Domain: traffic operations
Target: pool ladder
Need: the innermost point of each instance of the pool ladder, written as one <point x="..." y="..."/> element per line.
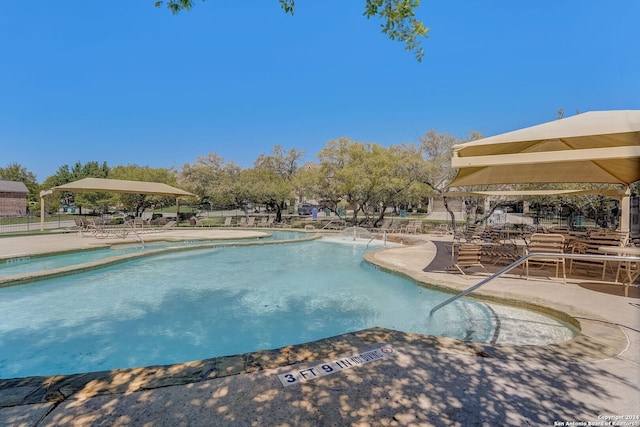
<point x="524" y="258"/>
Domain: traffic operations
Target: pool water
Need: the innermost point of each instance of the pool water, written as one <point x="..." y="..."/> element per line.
<point x="204" y="303"/>
<point x="22" y="265"/>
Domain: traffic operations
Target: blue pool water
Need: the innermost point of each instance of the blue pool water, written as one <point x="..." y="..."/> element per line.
<point x="204" y="303"/>
<point x="23" y="265"/>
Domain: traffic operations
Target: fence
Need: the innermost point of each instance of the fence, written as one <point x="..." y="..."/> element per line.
<point x="23" y="223"/>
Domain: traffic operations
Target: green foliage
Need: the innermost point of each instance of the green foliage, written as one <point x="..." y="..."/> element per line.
<point x="176" y="6"/>
<point x="399" y="22"/>
<point x="213" y="180"/>
<point x="138" y="203"/>
<point x="288" y="5"/>
<point x="211" y="222"/>
<point x="18" y="173"/>
<point x="368" y="177"/>
<point x="65" y="174"/>
<point x="436" y="148"/>
<point x="398" y="17"/>
<point x="272" y="180"/>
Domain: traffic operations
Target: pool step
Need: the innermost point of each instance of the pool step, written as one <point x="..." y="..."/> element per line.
<point x="480" y="322"/>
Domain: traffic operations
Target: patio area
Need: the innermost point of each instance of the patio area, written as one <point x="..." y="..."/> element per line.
<point x="499" y="246"/>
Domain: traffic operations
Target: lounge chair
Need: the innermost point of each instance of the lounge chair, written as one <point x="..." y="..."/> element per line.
<point x="269" y="223"/>
<point x="138" y="222"/>
<point x="169" y="224"/>
<point x="414" y="227"/>
<point x="442" y="230"/>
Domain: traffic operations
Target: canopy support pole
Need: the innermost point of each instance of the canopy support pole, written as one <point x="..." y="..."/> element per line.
<point x="625" y="206"/>
<point x="177" y="211"/>
<point x="43" y="193"/>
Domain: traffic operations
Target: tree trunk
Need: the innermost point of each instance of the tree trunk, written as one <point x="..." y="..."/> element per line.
<point x="380" y="218"/>
<point x="279" y="208"/>
<point x="451" y="214"/>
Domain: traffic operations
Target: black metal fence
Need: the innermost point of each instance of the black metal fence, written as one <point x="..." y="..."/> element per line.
<point x="25" y="223"/>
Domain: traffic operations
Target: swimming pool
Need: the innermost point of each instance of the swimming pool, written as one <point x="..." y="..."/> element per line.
<point x="203" y="303"/>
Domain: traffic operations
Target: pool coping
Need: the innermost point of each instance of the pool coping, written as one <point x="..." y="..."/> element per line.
<point x="598" y="340"/>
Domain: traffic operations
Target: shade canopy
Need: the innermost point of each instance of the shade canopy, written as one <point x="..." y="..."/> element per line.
<point x="594" y="147"/>
<point x="510" y="193"/>
<point x="102" y="185"/>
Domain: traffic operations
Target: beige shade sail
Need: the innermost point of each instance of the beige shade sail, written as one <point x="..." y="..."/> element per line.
<point x="595" y="147"/>
<point x="509" y="193"/>
<point x="102" y="185"/>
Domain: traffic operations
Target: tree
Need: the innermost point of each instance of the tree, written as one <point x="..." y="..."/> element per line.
<point x="398" y="16"/>
<point x="213" y="180"/>
<point x="64" y="175"/>
<point x="138" y="203"/>
<point x="368" y="177"/>
<point x="271" y="181"/>
<point x="437" y="149"/>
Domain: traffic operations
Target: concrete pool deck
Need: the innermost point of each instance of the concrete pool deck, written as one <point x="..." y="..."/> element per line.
<point x="430" y="381"/>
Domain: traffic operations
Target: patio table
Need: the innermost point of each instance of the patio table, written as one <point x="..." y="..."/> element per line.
<point x="632" y="267"/>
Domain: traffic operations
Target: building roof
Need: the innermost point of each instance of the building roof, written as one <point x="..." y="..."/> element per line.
<point x="310" y="165"/>
<point x="13" y="187"/>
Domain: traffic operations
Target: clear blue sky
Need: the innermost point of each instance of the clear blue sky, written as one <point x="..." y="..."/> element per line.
<point x="127" y="83"/>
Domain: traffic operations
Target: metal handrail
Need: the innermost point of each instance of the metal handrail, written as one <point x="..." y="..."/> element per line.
<point x="384" y="239"/>
<point x="341" y="222"/>
<point x="525" y="258"/>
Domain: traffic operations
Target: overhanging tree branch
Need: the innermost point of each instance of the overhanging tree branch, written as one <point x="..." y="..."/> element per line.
<point x="399" y="20"/>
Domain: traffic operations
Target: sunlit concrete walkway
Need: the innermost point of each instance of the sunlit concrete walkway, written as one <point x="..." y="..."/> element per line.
<point x="429" y="381"/>
<point x="56" y="242"/>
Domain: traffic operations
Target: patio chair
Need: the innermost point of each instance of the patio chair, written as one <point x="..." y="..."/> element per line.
<point x="414" y="227"/>
<point x="227" y="222"/>
<point x="390" y="226"/>
<point x="591" y="245"/>
<point x="442" y="230"/>
<point x="473" y="233"/>
<point x="496" y="248"/>
<point x="467" y="255"/>
<point x="547" y="243"/>
<point x="270" y="220"/>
